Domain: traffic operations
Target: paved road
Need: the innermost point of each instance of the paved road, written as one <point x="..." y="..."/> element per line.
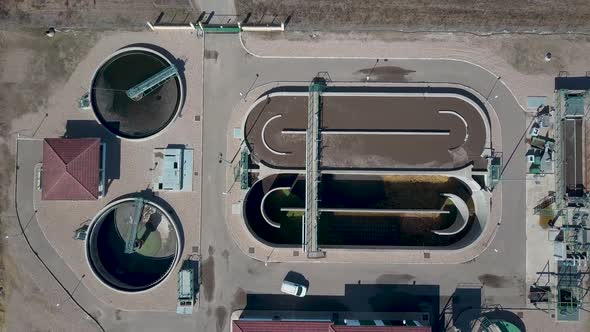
<point x="229" y="275"/>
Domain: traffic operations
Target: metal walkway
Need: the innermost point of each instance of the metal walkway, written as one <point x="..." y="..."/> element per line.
<point x="149" y="85"/>
<point x="312" y="174"/>
<point x="132" y="233"/>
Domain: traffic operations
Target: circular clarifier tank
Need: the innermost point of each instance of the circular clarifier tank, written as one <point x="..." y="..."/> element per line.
<point x="155" y="245"/>
<point x="138" y="118"/>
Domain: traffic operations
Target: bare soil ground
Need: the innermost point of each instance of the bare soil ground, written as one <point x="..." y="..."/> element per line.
<point x="94" y="14"/>
<point x="31" y="65"/>
<point x="424" y="15"/>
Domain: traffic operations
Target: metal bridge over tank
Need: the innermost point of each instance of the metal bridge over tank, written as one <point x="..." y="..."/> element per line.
<point x="152" y="83"/>
<point x="131" y="239"/>
<point x="312" y="174"/>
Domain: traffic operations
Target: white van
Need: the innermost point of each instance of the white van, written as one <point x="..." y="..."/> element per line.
<point x="294" y="289"/>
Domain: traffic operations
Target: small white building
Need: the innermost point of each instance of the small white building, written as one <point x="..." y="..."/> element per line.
<point x="173" y="169"/>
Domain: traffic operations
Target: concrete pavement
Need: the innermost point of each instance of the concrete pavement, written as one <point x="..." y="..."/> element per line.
<point x="110" y="317"/>
<point x="228" y="275"/>
<point x="232" y="71"/>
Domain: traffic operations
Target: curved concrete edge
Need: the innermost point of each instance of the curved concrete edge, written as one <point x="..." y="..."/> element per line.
<point x="264" y="215"/>
<point x="98" y="219"/>
<point x="485" y="117"/>
<point x="94" y="286"/>
<point x="260" y="91"/>
<point x="180" y="89"/>
<point x="462" y="120"/>
<point x="471" y="63"/>
<point x="480" y="111"/>
<point x="245" y="240"/>
<point x="265" y="253"/>
<point x="460" y="221"/>
<point x="263" y="134"/>
<point x="493" y="115"/>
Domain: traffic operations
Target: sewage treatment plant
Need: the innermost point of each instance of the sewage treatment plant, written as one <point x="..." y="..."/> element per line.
<point x="368" y="167"/>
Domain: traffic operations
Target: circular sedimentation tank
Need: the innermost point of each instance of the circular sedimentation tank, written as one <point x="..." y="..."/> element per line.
<point x="156" y="252"/>
<point x="134" y="119"/>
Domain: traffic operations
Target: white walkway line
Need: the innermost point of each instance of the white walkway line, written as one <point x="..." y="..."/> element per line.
<point x="371" y="211"/>
<point x="371" y="132"/>
<point x="464" y="123"/>
<point x="264" y="215"/>
<point x="263" y="132"/>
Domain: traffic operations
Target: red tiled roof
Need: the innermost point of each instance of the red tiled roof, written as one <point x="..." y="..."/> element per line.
<point x="290" y="326"/>
<point x="70" y="168"/>
<point x="342" y="328"/>
<point x="279" y="326"/>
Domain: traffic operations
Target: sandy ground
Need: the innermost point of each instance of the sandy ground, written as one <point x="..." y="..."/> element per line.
<point x="30" y="66"/>
<point x="38" y="76"/>
<point x="34" y="301"/>
<point x="93" y="14"/>
<point x="425" y="15"/>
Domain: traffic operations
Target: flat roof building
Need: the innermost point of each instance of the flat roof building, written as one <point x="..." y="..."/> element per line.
<point x="173" y="169"/>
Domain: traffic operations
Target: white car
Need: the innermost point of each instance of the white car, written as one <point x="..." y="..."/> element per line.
<point x="294" y="289"/>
